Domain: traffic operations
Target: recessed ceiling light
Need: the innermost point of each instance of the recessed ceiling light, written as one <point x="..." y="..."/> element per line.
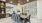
<point x="10" y="1"/>
<point x="27" y="0"/>
<point x="1" y="6"/>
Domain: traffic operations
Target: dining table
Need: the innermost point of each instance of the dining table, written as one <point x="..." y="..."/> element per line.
<point x="24" y="17"/>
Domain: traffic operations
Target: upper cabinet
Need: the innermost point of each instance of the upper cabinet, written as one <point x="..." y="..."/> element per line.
<point x="2" y="7"/>
<point x="2" y="4"/>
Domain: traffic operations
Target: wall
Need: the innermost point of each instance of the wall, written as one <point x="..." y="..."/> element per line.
<point x="31" y="6"/>
<point x="39" y="9"/>
<point x="10" y="8"/>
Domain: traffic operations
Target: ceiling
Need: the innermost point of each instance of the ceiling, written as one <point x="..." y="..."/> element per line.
<point x="15" y="2"/>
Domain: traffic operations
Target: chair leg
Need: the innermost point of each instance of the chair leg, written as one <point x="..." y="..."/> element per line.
<point x="18" y="21"/>
<point x="29" y="20"/>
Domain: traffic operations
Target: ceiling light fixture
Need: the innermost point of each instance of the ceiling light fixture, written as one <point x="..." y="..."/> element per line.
<point x="10" y="1"/>
<point x="1" y="6"/>
<point x="27" y="0"/>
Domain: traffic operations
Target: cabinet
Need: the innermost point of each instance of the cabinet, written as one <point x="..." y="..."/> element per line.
<point x="2" y="9"/>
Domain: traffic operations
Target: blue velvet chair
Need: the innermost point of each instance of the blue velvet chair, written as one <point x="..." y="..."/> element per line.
<point x="14" y="17"/>
<point x="29" y="19"/>
<point x="18" y="18"/>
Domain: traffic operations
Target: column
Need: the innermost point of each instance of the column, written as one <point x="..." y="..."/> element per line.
<point x="39" y="9"/>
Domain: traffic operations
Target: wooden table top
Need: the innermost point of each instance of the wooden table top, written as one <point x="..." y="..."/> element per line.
<point x="24" y="16"/>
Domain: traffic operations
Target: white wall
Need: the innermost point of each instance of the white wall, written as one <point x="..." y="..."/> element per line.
<point x="39" y="9"/>
<point x="31" y="6"/>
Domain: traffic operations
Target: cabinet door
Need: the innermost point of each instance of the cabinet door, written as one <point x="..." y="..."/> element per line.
<point x="2" y="6"/>
<point x="3" y="9"/>
<point x="0" y="10"/>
